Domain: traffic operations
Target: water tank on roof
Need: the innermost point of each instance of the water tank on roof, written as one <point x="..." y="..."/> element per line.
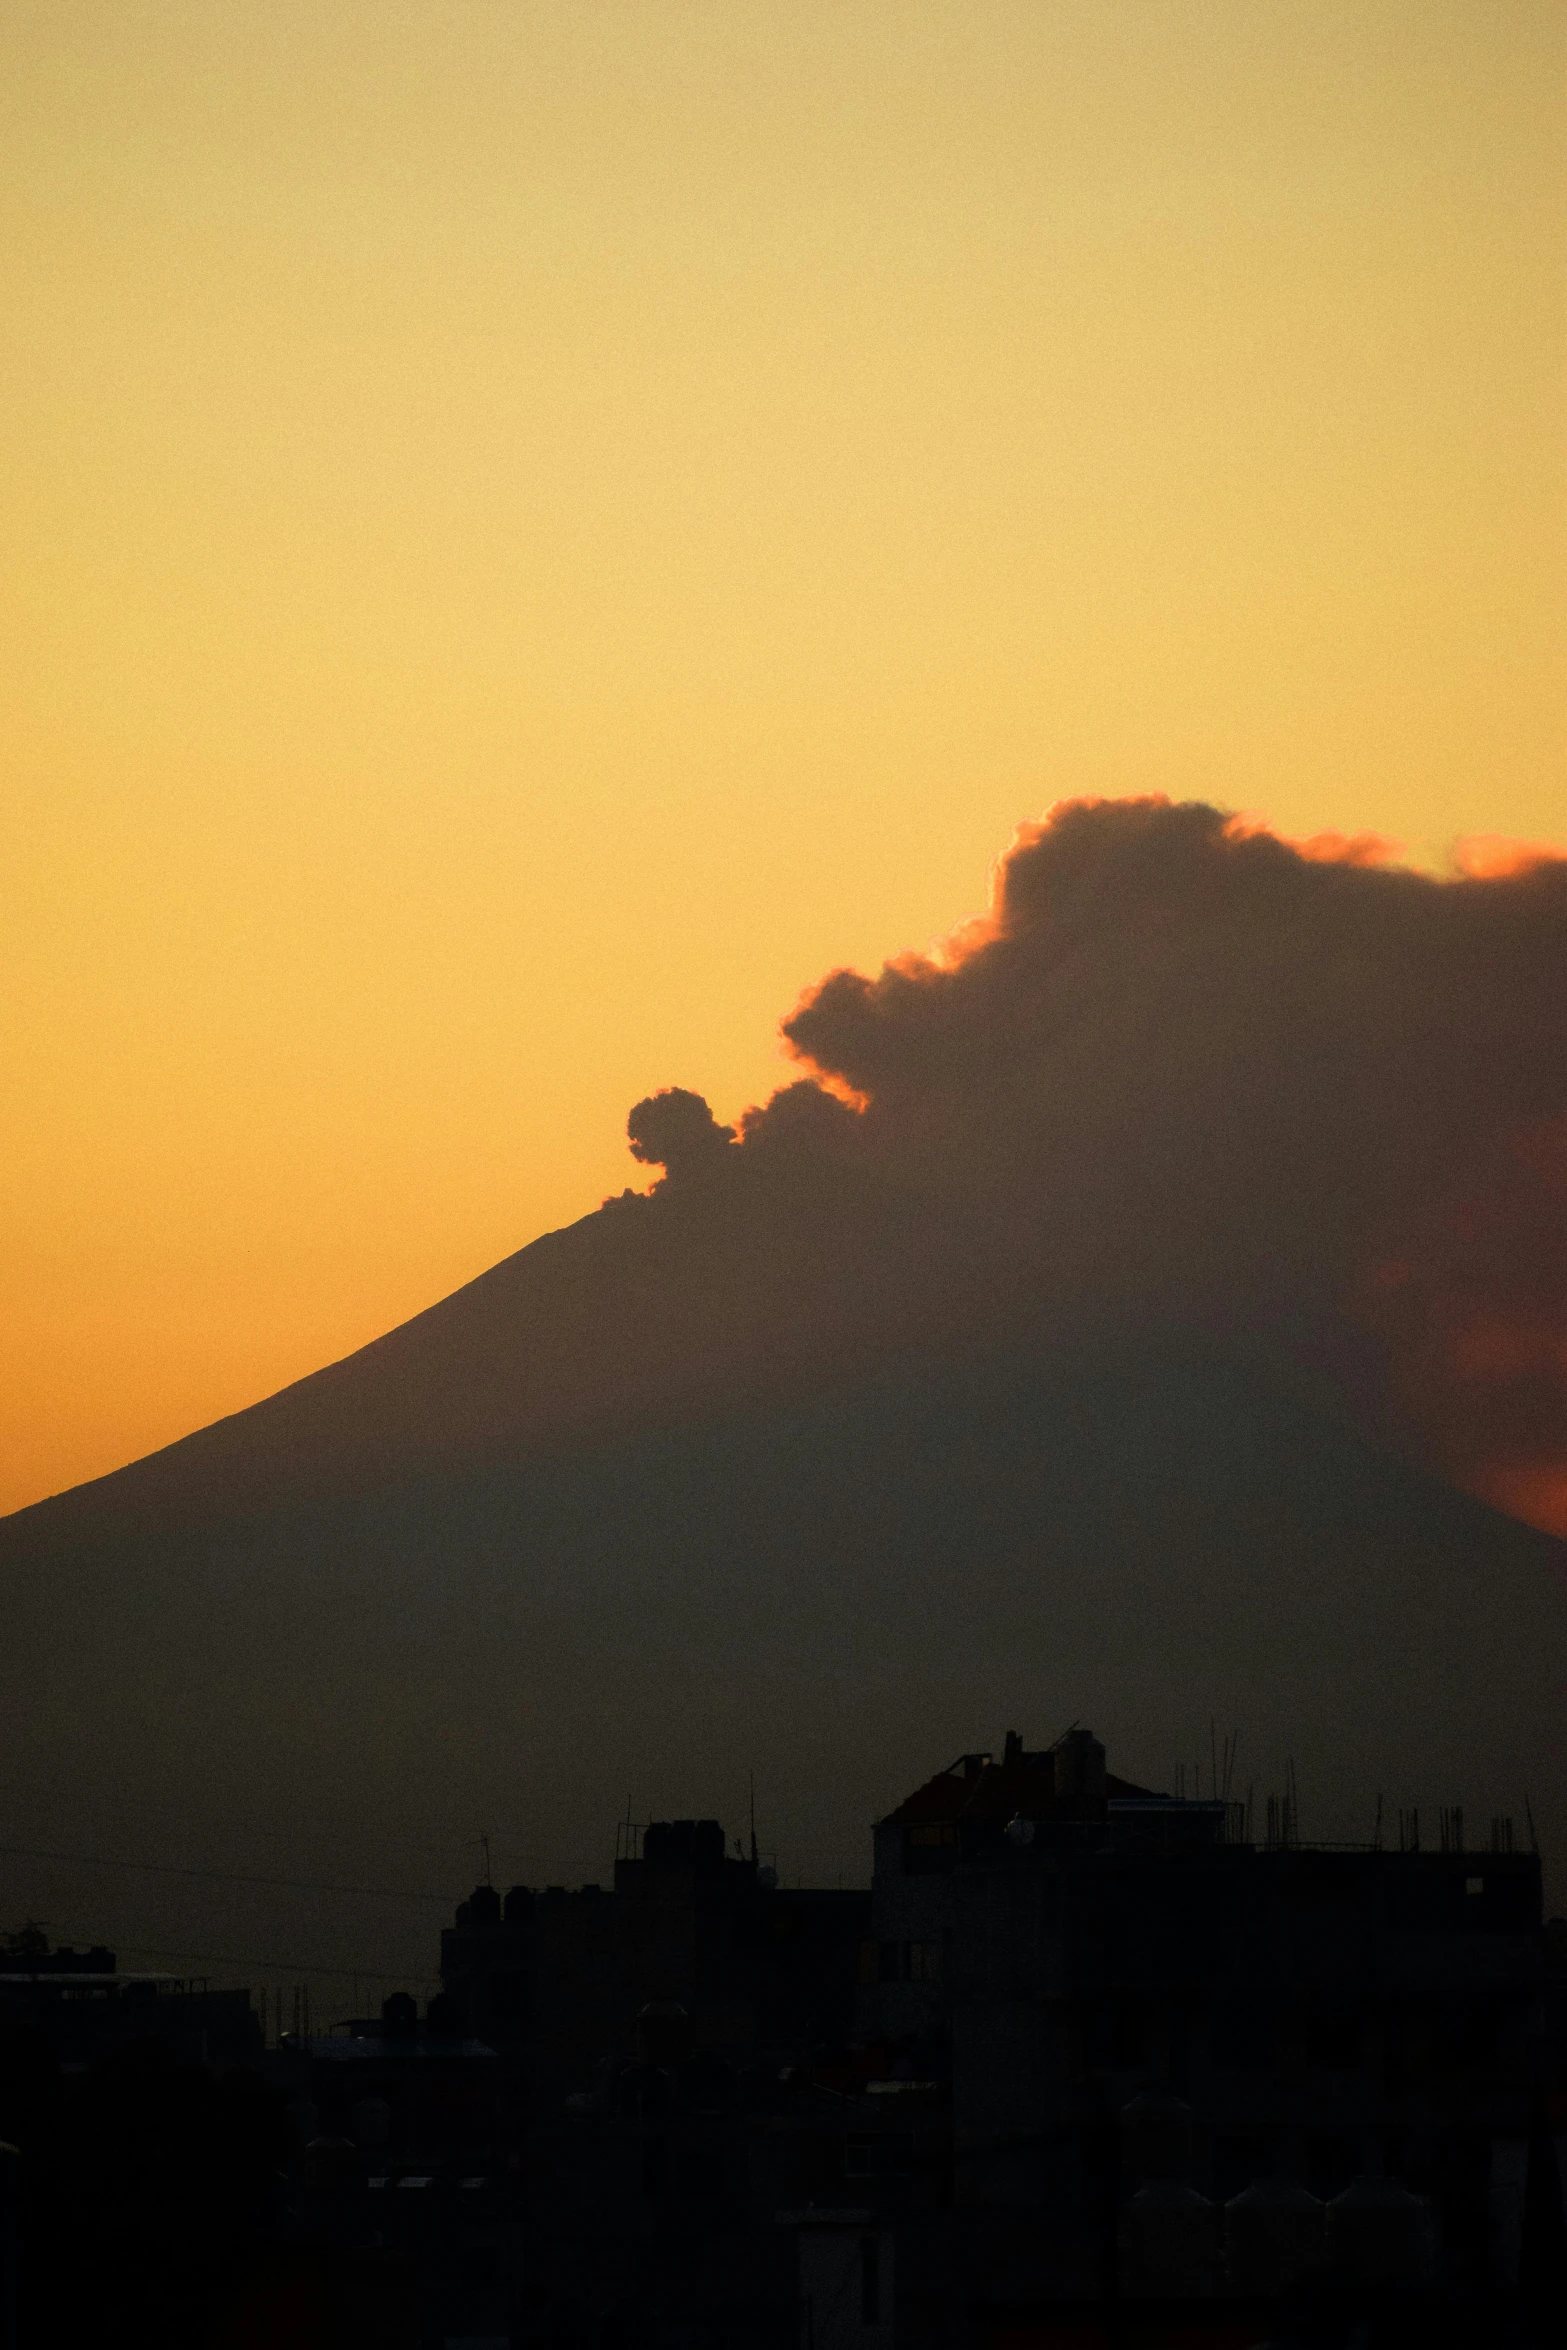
<point x="683" y="1844"/>
<point x="1273" y="2235"/>
<point x="1170" y="2242"/>
<point x="517" y="1908"/>
<point x="1380" y="2234"/>
<point x="707" y="1845"/>
<point x="484" y="1906"/>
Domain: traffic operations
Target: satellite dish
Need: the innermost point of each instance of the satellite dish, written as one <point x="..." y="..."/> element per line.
<point x="1018" y="1830"/>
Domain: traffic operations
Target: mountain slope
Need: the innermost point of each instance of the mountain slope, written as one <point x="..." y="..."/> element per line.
<point x="835" y="1593"/>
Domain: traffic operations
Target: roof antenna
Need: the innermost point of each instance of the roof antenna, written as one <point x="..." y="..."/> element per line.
<point x="753" y="1819"/>
<point x="485" y="1841"/>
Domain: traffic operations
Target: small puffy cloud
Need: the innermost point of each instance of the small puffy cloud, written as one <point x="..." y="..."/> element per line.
<point x="677" y="1131"/>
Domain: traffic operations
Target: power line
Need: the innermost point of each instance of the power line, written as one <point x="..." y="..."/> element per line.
<point x="31" y="1797"/>
<point x="281" y="1966"/>
<point x="155" y="1868"/>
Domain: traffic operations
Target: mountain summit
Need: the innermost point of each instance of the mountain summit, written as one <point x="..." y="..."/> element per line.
<point x="1099" y="1326"/>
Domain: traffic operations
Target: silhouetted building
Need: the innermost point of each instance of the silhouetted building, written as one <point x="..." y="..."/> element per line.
<point x="1185" y="2066"/>
<point x="409" y="2168"/>
<point x="660" y="2035"/>
<point x="151" y="2172"/>
<point x="559" y="1978"/>
<point x="1088" y="2064"/>
<point x="1083" y="2049"/>
<point x="598" y="2119"/>
<point x="81" y="2008"/>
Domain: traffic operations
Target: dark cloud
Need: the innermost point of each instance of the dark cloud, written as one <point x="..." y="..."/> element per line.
<point x="1188" y="1073"/>
<point x="1473" y="1310"/>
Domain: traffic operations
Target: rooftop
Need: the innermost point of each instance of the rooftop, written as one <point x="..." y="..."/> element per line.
<point x="1066" y="1781"/>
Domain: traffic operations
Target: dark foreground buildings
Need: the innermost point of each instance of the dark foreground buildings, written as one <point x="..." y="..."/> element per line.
<point x="1087" y="2066"/>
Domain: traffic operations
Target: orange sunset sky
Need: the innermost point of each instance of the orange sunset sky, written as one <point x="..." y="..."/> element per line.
<point x="534" y="531"/>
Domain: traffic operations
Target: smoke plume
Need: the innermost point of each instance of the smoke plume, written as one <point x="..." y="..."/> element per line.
<point x="1185" y="1074"/>
<point x="1184" y="1081"/>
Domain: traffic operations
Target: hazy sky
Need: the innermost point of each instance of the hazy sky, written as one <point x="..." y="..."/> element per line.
<point x="531" y="533"/>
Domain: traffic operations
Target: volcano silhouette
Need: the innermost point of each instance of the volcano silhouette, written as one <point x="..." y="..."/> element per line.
<point x="537" y="1551"/>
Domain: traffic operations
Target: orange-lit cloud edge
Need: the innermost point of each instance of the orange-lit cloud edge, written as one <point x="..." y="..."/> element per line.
<point x="1458" y="1353"/>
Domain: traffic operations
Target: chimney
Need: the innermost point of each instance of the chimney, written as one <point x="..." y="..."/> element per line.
<point x="1013" y="1750"/>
